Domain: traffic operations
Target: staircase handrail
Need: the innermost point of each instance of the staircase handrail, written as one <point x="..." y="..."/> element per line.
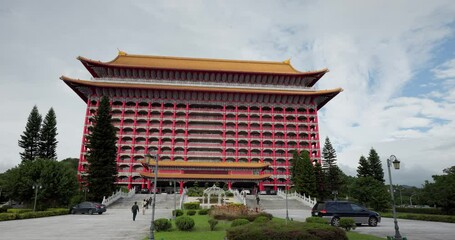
<point x="240" y="198"/>
<point x="117" y="195"/>
<point x="301" y="198"/>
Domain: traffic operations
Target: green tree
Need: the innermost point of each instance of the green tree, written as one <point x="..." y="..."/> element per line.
<point x="320" y="181"/>
<point x="57" y="180"/>
<point x="329" y="154"/>
<point x="303" y="174"/>
<point x="30" y="138"/>
<point x="375" y="166"/>
<point x="102" y="152"/>
<point x="371" y="192"/>
<point x="363" y="170"/>
<point x="72" y="163"/>
<point x="48" y="134"/>
<point x="442" y="191"/>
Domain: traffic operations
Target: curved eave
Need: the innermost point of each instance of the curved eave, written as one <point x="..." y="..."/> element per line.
<point x="199" y="64"/>
<point x="328" y="93"/>
<point x="228" y="165"/>
<point x="179" y="176"/>
<point x="74" y="86"/>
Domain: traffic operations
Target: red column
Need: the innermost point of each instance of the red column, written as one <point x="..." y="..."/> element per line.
<point x="224" y="133"/>
<point x="236" y="133"/>
<point x="181" y="186"/>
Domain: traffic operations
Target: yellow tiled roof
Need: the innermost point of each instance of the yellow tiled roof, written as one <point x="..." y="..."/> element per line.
<point x="207" y="164"/>
<point x="202" y="64"/>
<point x="206" y="176"/>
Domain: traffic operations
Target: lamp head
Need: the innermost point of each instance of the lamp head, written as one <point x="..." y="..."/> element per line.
<point x="395" y="162"/>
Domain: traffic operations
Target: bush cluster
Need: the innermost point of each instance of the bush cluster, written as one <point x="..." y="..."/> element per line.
<point x="316" y="220"/>
<point x="261" y="219"/>
<point x="162" y="224"/>
<point x="436" y="211"/>
<point x="16" y="214"/>
<point x="235" y="211"/>
<point x="203" y="211"/>
<point x="240" y="221"/>
<point x="347" y="224"/>
<point x="18" y="210"/>
<point x="191" y="212"/>
<point x="213" y="223"/>
<point x="192" y="205"/>
<point x="184" y="223"/>
<point x="293" y="230"/>
<point x="423" y="217"/>
<point x="177" y="213"/>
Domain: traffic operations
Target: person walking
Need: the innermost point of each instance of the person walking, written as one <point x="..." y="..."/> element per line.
<point x="257" y="199"/>
<point x="144" y="205"/>
<point x="134" y="210"/>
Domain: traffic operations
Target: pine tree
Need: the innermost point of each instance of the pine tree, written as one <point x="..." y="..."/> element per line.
<point x="363" y="170"/>
<point x="320" y="181"/>
<point x="48" y="133"/>
<point x="328" y="153"/>
<point x="102" y="169"/>
<point x="307" y="177"/>
<point x="375" y="166"/>
<point x="30" y="138"/>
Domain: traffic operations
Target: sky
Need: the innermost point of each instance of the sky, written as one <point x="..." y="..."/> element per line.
<point x="395" y="61"/>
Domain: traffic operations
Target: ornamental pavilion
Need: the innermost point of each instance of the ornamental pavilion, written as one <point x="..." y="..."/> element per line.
<point x="210" y="120"/>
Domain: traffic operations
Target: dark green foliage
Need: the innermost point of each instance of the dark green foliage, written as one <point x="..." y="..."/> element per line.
<point x="261" y="219"/>
<point x="328" y="153"/>
<point x="191" y="212"/>
<point x="319" y="176"/>
<point x="192" y="205"/>
<point x="347" y="224"/>
<point x="203" y="211"/>
<point x="266" y="215"/>
<point x="316" y="220"/>
<point x="31" y="136"/>
<point x="48" y="133"/>
<point x="283" y="231"/>
<point x="102" y="152"/>
<point x="184" y="223"/>
<point x="213" y="223"/>
<point x="435" y="211"/>
<point x="303" y="174"/>
<point x="363" y="170"/>
<point x="19" y="210"/>
<point x="29" y="214"/>
<point x="371" y="192"/>
<point x="195" y="191"/>
<point x="375" y="165"/>
<point x="177" y="212"/>
<point x="240" y="221"/>
<point x="162" y="224"/>
<point x="4" y="208"/>
<point x="72" y="163"/>
<point x="58" y="183"/>
<point x="334" y="179"/>
<point x="422" y="217"/>
<point x="442" y="191"/>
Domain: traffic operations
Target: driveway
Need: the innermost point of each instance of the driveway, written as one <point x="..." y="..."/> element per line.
<point x="113" y="224"/>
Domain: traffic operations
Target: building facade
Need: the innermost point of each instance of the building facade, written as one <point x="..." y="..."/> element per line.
<point x="205" y="111"/>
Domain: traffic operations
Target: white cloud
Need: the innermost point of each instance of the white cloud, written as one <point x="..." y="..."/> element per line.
<point x="372" y="48"/>
<point x="445" y="70"/>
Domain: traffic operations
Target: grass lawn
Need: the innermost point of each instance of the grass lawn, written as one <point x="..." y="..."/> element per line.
<point x="201" y="231"/>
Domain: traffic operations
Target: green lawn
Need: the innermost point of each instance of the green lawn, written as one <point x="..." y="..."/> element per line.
<point x="201" y="231"/>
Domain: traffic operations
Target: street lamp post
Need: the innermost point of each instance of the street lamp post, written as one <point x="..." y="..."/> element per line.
<point x="152" y="225"/>
<point x="396" y="164"/>
<point x="36" y="186"/>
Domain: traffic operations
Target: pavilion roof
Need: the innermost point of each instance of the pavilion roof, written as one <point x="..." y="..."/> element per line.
<point x="199" y="64"/>
<point x="183" y="164"/>
<point x="74" y="83"/>
<point x="184" y="176"/>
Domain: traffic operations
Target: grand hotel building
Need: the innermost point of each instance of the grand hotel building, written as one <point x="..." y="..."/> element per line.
<point x="209" y="120"/>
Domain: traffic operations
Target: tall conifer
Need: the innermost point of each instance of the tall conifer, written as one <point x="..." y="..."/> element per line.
<point x="375" y="165"/>
<point x="363" y="170"/>
<point x="102" y="169"/>
<point x="48" y="134"/>
<point x="329" y="154"/>
<point x="30" y="138"/>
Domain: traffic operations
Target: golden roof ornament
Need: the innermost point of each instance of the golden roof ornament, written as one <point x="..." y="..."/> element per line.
<point x="287" y="61"/>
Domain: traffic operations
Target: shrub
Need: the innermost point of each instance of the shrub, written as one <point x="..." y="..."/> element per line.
<point x="7" y="216"/>
<point x="235" y="211"/>
<point x="184" y="223"/>
<point x="203" y="211"/>
<point x="435" y="211"/>
<point x="291" y="230"/>
<point x="162" y="224"/>
<point x="240" y="221"/>
<point x="177" y="212"/>
<point x="316" y="220"/>
<point x="191" y="212"/>
<point x="261" y="219"/>
<point x="192" y="205"/>
<point x="29" y="214"/>
<point x="4" y="208"/>
<point x="347" y="224"/>
<point x="212" y="223"/>
<point x="18" y="210"/>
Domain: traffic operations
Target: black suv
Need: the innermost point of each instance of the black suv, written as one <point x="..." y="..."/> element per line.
<point x="333" y="211"/>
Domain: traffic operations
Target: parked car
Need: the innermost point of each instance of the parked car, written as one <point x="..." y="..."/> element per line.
<point x="88" y="207"/>
<point x="333" y="211"/>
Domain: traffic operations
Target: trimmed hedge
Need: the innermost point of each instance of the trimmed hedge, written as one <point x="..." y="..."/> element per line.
<point x="423" y="217"/>
<point x="162" y="224"/>
<point x="213" y="223"/>
<point x="203" y="211"/>
<point x="191" y="212"/>
<point x="184" y="223"/>
<point x="192" y="205"/>
<point x="19" y="210"/>
<point x="316" y="220"/>
<point x="261" y="219"/>
<point x="177" y="213"/>
<point x="435" y="211"/>
<point x="25" y="215"/>
<point x="347" y="224"/>
<point x="292" y="231"/>
<point x="240" y="221"/>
